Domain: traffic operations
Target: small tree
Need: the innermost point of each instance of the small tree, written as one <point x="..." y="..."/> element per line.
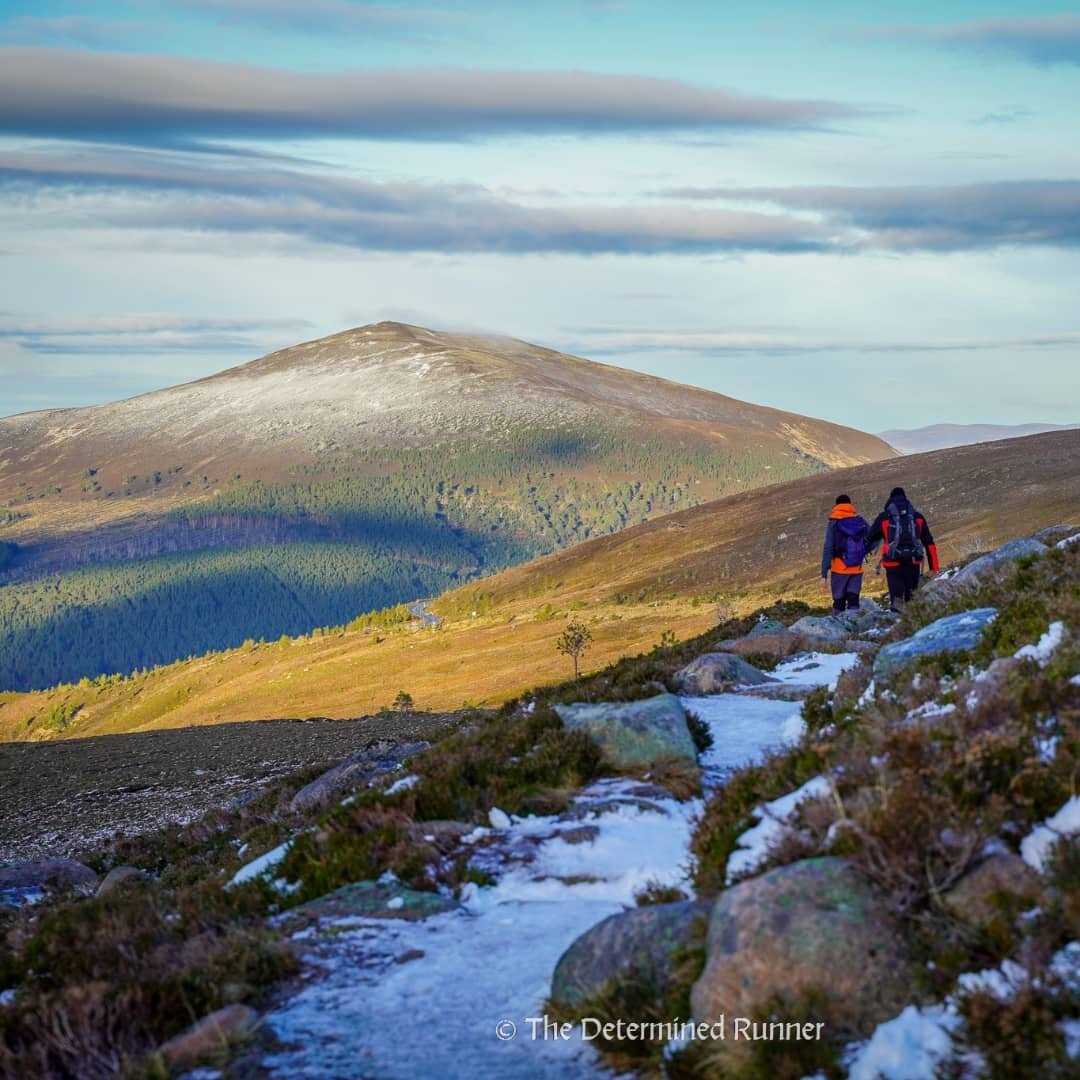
<point x="403" y="703"/>
<point x="573" y="642"/>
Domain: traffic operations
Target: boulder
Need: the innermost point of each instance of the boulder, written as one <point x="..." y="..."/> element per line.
<point x="998" y="562"/>
<point x="778" y="643"/>
<point x="714" y="672"/>
<point x="977" y="897"/>
<point x="209" y="1039"/>
<point x="120" y="877"/>
<point x="810" y="927"/>
<point x="642" y="943"/>
<point x="1055" y="534"/>
<point x="634" y="733"/>
<point x="375" y="900"/>
<point x="354" y="770"/>
<point x="827" y="627"/>
<point x="954" y="633"/>
<point x="34" y="873"/>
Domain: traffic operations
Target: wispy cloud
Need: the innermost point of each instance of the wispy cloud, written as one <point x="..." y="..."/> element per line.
<point x="86" y="94"/>
<point x="604" y="340"/>
<point x="83" y="30"/>
<point x="1004" y="114"/>
<point x="329" y="16"/>
<point x="145" y="334"/>
<point x="1042" y="39"/>
<point x="172" y="192"/>
<point x="929" y="218"/>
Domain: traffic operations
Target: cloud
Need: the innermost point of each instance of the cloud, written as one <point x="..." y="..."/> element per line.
<point x="1004" y="114"/>
<point x="143" y="334"/>
<point x="1043" y="40"/>
<point x="84" y="30"/>
<point x="327" y="16"/>
<point x="929" y="218"/>
<point x="171" y="191"/>
<point x="72" y="93"/>
<point x="603" y="340"/>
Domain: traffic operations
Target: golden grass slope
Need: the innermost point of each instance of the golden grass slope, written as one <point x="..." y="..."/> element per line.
<point x="497" y="635"/>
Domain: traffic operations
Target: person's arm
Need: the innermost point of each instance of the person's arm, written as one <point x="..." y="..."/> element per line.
<point x="931" y="547"/>
<point x="875" y="536"/>
<point x="827" y="551"/>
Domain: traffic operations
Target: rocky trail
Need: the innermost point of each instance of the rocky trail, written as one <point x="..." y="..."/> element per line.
<point x="452" y="994"/>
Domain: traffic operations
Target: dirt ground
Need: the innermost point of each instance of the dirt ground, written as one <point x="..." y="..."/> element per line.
<point x="63" y="797"/>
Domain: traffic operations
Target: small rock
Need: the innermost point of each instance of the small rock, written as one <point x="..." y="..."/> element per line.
<point x="715" y="672"/>
<point x="1002" y="874"/>
<point x="209" y="1039"/>
<point x="634" y="732"/>
<point x="118" y="878"/>
<point x="581" y="834"/>
<point x="637" y="944"/>
<point x="806" y="927"/>
<point x="954" y="633"/>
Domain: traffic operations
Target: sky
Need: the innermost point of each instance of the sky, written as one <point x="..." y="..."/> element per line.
<point x="867" y="213"/>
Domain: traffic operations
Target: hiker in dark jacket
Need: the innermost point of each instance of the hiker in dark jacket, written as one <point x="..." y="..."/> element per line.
<point x="905" y="540"/>
<point x="844" y="553"/>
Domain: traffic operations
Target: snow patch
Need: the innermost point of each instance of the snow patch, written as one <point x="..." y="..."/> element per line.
<point x="752" y="847"/>
<point x="404" y="784"/>
<point x="1047" y="646"/>
<point x="815" y="669"/>
<point x="261" y="866"/>
<point x="1035" y="847"/>
<point x="499" y="819"/>
<point x="910" y="1047"/>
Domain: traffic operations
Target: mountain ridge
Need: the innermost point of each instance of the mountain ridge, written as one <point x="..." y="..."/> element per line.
<point x="947" y="436"/>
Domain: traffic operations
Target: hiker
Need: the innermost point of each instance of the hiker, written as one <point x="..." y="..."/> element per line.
<point x="844" y="554"/>
<point x="906" y="541"/>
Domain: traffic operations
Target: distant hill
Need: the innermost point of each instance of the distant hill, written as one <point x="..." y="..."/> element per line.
<point x="342" y="475"/>
<point x="943" y="436"/>
<point x="497" y="635"/>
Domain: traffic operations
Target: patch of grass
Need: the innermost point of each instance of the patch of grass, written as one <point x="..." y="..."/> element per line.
<point x="700" y="731"/>
<point x="656" y="892"/>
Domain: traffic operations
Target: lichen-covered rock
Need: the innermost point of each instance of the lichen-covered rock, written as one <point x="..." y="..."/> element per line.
<point x="209" y="1039"/>
<point x="954" y="633"/>
<point x="354" y="770"/>
<point x="120" y="877"/>
<point x="778" y="643"/>
<point x="634" y="733"/>
<point x="642" y="943"/>
<point x="714" y="672"/>
<point x="816" y="926"/>
<point x="375" y="900"/>
<point x="999" y="561"/>
<point x="984" y="893"/>
<point x="827" y="627"/>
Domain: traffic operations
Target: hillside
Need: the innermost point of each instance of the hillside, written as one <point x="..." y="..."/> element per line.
<point x="944" y="436"/>
<point x="340" y="476"/>
<point x="497" y="636"/>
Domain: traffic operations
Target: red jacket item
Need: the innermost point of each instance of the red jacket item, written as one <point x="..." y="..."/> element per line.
<point x="829" y="559"/>
<point x="879" y="533"/>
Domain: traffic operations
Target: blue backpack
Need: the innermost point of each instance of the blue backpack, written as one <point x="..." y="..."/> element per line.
<point x="849" y="540"/>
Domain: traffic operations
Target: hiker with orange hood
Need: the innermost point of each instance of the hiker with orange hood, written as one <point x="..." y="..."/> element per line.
<point x="844" y="554"/>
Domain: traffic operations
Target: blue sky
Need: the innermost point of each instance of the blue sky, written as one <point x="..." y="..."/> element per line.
<point x="866" y="214"/>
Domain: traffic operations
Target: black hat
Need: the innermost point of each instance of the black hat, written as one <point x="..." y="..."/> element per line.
<point x="842" y="499"/>
<point x="898" y="493"/>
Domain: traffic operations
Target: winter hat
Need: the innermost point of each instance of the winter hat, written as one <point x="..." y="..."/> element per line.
<point x="897" y="493"/>
<point x="842" y="499"/>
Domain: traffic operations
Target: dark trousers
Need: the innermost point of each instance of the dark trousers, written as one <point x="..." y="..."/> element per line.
<point x="845" y="591"/>
<point x="903" y="581"/>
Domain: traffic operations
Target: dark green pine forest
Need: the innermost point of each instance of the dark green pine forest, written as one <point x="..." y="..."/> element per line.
<point x="353" y="532"/>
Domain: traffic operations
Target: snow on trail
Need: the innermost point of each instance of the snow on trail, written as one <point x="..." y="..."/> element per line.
<point x="396" y="1000"/>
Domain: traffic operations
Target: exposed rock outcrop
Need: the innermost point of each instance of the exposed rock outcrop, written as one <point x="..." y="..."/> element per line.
<point x="954" y="633"/>
<point x="715" y="672"/>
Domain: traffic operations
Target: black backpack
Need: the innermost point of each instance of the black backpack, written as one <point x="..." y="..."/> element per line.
<point x="904" y="545"/>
